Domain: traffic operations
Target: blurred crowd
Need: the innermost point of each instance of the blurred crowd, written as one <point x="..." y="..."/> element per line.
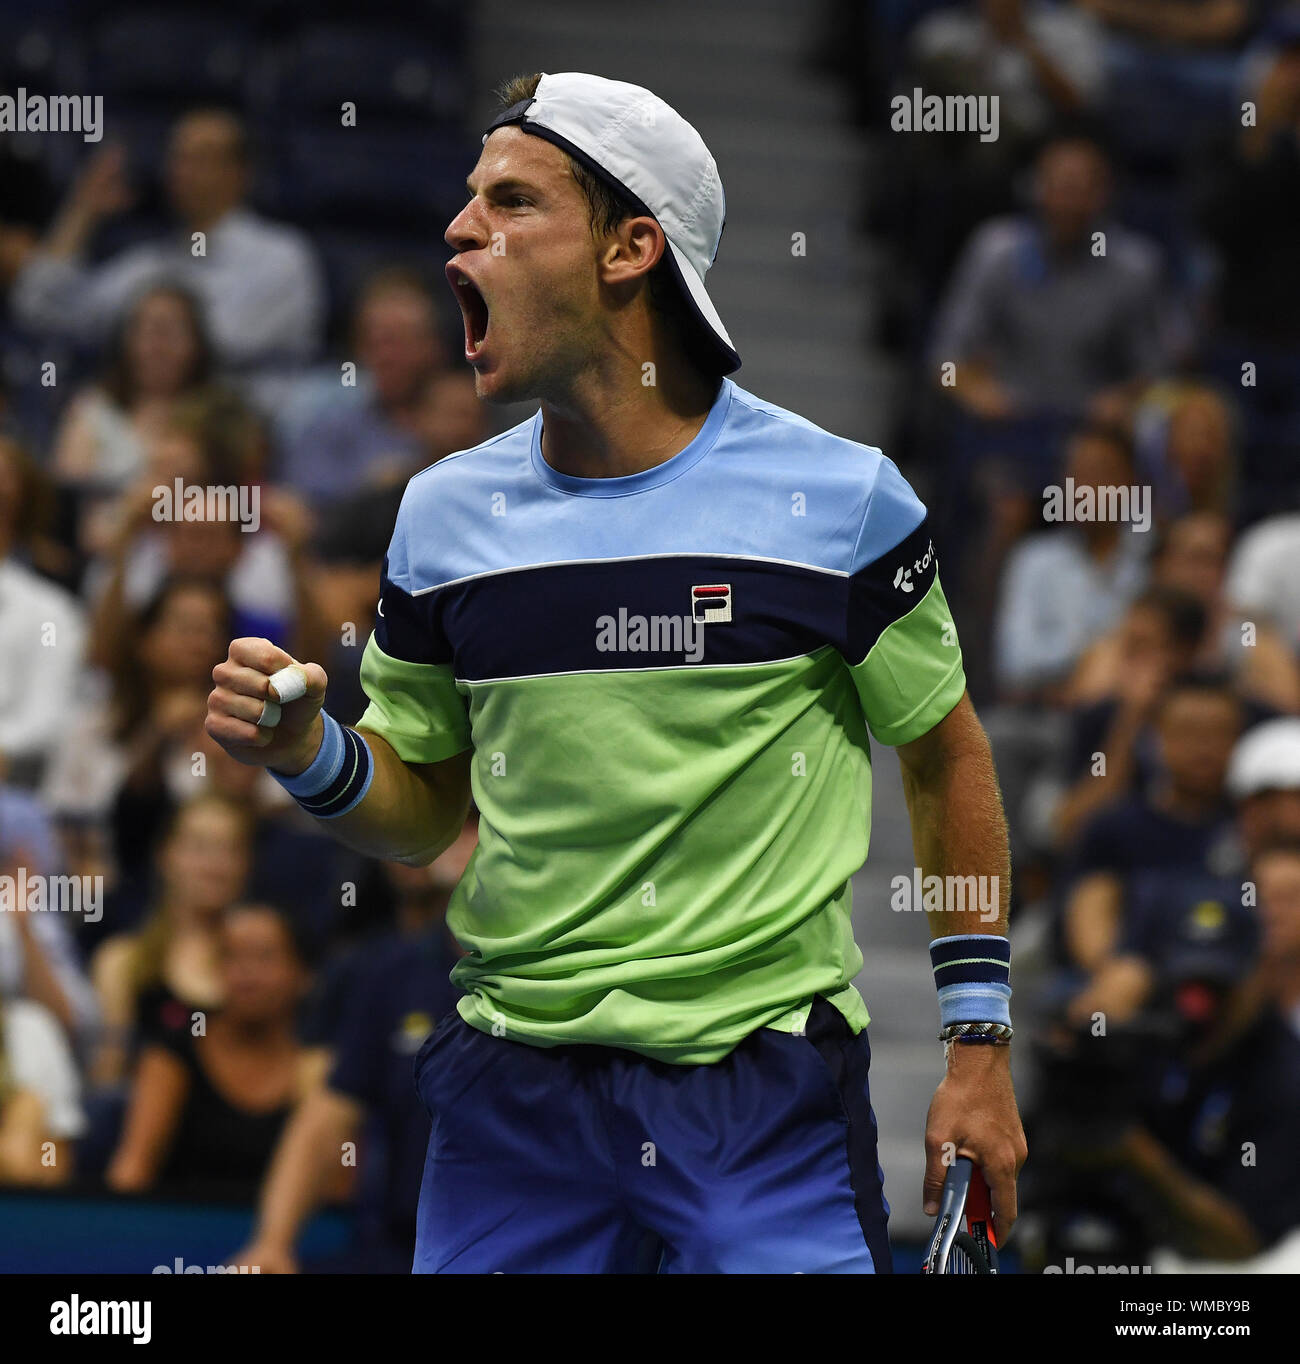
<point x="1106" y="296"/>
<point x="1103" y="298"/>
<point x="192" y="977"/>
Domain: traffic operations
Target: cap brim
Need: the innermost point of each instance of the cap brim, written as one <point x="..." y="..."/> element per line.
<point x="712" y="332"/>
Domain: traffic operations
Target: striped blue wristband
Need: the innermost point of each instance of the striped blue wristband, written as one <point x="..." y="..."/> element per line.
<point x="972" y="973"/>
<point x="339" y="775"/>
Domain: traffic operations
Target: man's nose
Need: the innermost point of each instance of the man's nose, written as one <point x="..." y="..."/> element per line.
<point x="466" y="231"/>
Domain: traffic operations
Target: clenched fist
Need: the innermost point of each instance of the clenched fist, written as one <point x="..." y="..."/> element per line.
<point x="239" y="697"/>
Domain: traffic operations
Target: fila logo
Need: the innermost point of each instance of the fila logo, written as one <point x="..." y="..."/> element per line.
<point x="711" y="603"/>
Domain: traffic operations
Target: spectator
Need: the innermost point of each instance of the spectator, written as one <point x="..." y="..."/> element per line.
<point x="397" y="346"/>
<point x="151" y="980"/>
<point x="1039" y="320"/>
<point x="159" y="351"/>
<point x="259" y="283"/>
<point x="262" y="570"/>
<point x="42" y="634"/>
<point x="208" y="1105"/>
<point x="1237" y="1087"/>
<point x="1181" y="823"/>
<point x="1262" y="580"/>
<point x="1063" y="588"/>
<point x="1191" y="556"/>
<point x="39" y="960"/>
<point x="120" y="753"/>
<point x="1213" y="1071"/>
<point x="1114" y="693"/>
<point x="40" y="1096"/>
<point x="1187" y="449"/>
<point x="386" y="1002"/>
<point x="1040" y="60"/>
<point x="1264" y="779"/>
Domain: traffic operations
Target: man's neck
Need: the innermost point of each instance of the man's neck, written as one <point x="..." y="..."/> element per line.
<point x="611" y="424"/>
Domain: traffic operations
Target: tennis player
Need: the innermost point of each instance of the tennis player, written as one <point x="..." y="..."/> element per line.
<point x="650" y="628"/>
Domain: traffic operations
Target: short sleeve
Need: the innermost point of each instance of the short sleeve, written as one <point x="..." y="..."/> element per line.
<point x="900" y="641"/>
<point x="407" y="670"/>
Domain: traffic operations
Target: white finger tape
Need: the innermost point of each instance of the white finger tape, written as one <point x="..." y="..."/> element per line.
<point x="270" y="716"/>
<point x="288" y="684"/>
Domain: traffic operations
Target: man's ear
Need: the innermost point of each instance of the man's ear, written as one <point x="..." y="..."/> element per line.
<point x="632" y="250"/>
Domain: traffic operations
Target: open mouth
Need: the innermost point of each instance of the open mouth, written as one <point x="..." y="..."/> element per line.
<point x="473" y="307"/>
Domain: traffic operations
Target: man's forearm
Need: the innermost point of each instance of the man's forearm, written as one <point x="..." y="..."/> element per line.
<point x="958" y="830"/>
<point x="411" y="813"/>
<point x="958" y="827"/>
<point x="1205" y="1223"/>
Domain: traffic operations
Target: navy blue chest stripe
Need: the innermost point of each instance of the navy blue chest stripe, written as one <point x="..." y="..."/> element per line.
<point x="627" y="614"/>
<point x="887" y="589"/>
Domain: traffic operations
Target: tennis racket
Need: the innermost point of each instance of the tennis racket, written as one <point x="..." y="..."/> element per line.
<point x="963" y="1241"/>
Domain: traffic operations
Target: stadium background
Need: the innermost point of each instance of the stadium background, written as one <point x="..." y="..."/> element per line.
<point x="857" y="262"/>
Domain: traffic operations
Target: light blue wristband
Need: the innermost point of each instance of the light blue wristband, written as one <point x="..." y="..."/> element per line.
<point x="323" y="768"/>
<point x="972" y="972"/>
<point x="337" y="778"/>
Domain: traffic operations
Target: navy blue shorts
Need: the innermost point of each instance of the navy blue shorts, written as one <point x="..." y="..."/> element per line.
<point x="589" y="1160"/>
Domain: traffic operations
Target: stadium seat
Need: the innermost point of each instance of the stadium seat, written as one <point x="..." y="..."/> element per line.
<point x="381" y="71"/>
<point x="152" y="53"/>
<point x="386" y="179"/>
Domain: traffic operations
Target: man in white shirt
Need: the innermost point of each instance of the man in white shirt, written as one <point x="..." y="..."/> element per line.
<point x="42" y="636"/>
<point x="1262" y="574"/>
<point x="259" y="282"/>
<point x="41" y="1098"/>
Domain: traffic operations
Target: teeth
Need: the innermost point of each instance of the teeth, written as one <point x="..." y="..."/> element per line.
<point x="461" y="279"/>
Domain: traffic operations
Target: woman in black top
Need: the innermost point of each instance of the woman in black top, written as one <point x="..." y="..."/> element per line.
<point x="206" y="1110"/>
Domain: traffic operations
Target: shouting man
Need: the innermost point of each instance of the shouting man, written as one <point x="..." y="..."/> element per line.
<point x="649" y="629"/>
